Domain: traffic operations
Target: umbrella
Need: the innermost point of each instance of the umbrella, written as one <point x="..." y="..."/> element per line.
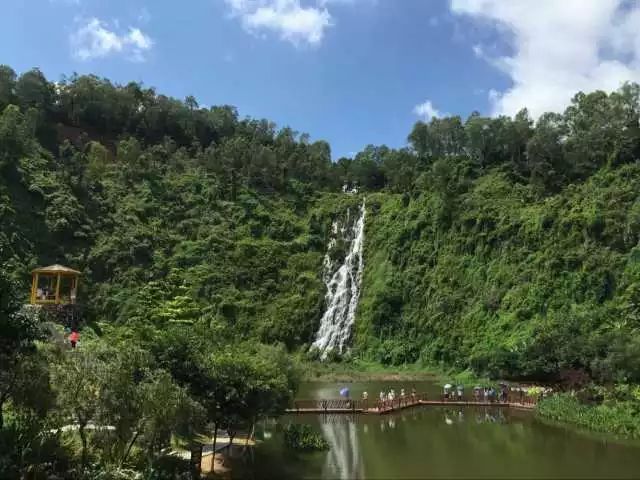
<point x="344" y="392"/>
<point x="448" y="385"/>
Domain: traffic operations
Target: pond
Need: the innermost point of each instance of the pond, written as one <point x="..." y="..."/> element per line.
<point x="435" y="442"/>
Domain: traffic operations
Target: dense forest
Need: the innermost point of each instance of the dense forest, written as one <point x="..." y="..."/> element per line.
<point x="505" y="246"/>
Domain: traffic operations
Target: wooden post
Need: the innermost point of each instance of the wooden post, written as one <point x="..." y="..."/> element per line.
<point x="73" y="294"/>
<point x="58" y="290"/>
<point x="34" y="288"/>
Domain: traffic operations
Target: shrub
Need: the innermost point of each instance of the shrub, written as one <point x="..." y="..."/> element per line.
<point x="303" y="437"/>
<point x="620" y="418"/>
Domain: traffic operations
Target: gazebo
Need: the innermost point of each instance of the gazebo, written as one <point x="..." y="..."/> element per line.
<point x="54" y="285"/>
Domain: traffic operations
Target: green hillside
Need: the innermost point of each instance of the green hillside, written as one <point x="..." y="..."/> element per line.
<point x="510" y="284"/>
<point x="501" y="245"/>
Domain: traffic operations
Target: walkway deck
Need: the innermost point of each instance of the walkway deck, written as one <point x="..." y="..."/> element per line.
<point x="348" y="406"/>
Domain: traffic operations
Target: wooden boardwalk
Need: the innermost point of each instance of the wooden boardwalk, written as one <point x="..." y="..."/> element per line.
<point x="349" y="406"/>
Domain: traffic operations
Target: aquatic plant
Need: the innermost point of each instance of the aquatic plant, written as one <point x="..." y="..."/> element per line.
<point x="303" y="437"/>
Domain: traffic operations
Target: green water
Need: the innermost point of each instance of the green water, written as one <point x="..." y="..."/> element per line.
<point x="436" y="442"/>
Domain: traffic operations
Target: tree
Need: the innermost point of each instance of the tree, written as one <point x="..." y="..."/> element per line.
<point x="366" y="168"/>
<point x="546" y="163"/>
<point x="248" y="382"/>
<point x="33" y="90"/>
<point x="165" y="409"/>
<point x="439" y="138"/>
<point x="7" y="86"/>
<point x="129" y="403"/>
<point x="191" y="102"/>
<point x="77" y="378"/>
<point x="401" y="169"/>
<point x="15" y="136"/>
<point x="19" y="330"/>
<point x="480" y="138"/>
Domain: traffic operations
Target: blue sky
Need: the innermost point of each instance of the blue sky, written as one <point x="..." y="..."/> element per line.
<point x="351" y="72"/>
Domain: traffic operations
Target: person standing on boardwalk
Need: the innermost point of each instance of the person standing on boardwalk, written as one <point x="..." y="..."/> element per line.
<point x="504" y="393"/>
<point x="448" y="391"/>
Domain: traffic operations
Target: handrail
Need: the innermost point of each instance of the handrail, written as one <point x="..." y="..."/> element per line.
<point x="387" y="405"/>
<point x="348" y="404"/>
<point x="329" y="404"/>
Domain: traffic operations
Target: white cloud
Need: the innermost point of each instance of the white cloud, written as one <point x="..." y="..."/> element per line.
<point x="94" y="39"/>
<point x="558" y="48"/>
<point x="287" y="18"/>
<point x="426" y="111"/>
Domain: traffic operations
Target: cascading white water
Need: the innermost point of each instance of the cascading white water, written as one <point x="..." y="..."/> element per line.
<point x="343" y="287"/>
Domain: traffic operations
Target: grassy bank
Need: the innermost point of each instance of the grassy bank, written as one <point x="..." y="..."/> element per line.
<point x="621" y="418"/>
<point x="360" y="370"/>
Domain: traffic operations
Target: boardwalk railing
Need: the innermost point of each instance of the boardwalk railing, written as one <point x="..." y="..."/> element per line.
<point x="399" y="403"/>
<point x="512" y="398"/>
<point x="347" y="405"/>
<point x="353" y="405"/>
<point x="330" y="405"/>
<point x="523" y="399"/>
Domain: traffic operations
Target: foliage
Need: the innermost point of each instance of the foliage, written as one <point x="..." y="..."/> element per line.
<point x="495" y="246"/>
<point x="617" y="417"/>
<point x="302" y="437"/>
<point x="507" y="283"/>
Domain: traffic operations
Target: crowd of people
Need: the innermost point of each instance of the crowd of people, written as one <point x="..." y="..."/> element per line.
<point x="487" y="394"/>
<point x="388" y="396"/>
<point x="490" y="394"/>
<point x="502" y="393"/>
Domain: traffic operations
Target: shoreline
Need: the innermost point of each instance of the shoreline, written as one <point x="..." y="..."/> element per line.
<point x="315" y="372"/>
<point x="360" y="371"/>
<point x="358" y="376"/>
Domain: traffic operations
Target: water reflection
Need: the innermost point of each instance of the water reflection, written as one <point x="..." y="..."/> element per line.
<point x="447" y="418"/>
<point x="430" y="442"/>
<point x="484" y="415"/>
<point x="344" y="458"/>
<point x="435" y="442"/>
<point x="345" y="433"/>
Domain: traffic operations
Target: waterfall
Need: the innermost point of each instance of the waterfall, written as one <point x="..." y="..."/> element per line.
<point x="343" y="286"/>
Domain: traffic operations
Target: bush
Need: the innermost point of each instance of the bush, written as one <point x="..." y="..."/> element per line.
<point x="303" y="437"/>
<point x="620" y="418"/>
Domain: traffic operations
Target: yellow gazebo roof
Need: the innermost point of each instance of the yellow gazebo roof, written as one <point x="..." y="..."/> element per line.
<point x="57" y="269"/>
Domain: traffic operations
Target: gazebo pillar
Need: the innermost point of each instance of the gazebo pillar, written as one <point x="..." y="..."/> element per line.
<point x="34" y="287"/>
<point x="58" y="289"/>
